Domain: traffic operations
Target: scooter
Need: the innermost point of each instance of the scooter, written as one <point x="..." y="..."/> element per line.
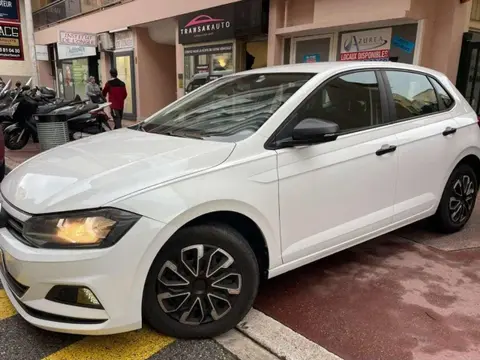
<point x="83" y="119"/>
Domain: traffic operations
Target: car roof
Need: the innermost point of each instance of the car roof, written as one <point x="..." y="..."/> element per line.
<point x="340" y="66"/>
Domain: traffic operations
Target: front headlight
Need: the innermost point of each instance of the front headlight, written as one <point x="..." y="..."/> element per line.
<point x="94" y="228"/>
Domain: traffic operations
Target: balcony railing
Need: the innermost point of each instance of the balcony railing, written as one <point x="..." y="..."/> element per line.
<point x="67" y="9"/>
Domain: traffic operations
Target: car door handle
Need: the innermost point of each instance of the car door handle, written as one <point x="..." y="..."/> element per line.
<point x="449" y="131"/>
<point x="385" y="149"/>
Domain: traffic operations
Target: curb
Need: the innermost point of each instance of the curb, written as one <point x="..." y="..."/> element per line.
<point x="280" y="340"/>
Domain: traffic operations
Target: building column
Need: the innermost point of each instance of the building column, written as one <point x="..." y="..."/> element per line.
<point x="275" y="21"/>
<point x="442" y="36"/>
<point x="31" y="42"/>
<point x="180" y="64"/>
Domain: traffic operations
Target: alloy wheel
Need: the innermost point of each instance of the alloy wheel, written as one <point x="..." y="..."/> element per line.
<point x="462" y="199"/>
<point x="200" y="286"/>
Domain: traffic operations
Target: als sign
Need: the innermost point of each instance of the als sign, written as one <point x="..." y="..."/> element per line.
<point x="11" y="47"/>
<point x="366" y="45"/>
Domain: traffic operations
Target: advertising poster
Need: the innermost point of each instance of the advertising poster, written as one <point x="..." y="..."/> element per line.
<point x="11" y="47"/>
<point x="311" y="58"/>
<point x="9" y="10"/>
<point x="369" y="45"/>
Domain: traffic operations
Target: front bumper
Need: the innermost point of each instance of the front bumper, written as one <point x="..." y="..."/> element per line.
<point x="115" y="275"/>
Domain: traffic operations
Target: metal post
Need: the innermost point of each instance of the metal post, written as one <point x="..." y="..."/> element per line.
<point x="31" y="41"/>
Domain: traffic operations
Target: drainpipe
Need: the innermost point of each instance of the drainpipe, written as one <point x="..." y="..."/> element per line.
<point x="31" y="41"/>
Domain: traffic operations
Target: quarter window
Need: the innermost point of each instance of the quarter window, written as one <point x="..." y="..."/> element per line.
<point x="352" y="101"/>
<point x="446" y="101"/>
<point x="413" y="94"/>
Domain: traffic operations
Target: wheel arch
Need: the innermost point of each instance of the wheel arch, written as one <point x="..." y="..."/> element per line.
<point x="470" y="156"/>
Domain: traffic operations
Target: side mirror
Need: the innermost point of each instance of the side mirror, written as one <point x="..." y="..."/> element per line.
<point x="25" y="88"/>
<point x="314" y="131"/>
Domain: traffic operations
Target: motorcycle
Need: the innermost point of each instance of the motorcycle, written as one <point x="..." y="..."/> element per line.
<point x="83" y="119"/>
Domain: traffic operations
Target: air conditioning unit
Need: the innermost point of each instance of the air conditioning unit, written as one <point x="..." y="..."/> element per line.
<point x="105" y="42"/>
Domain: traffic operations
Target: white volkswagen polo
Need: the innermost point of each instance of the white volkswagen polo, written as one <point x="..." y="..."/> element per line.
<point x="177" y="220"/>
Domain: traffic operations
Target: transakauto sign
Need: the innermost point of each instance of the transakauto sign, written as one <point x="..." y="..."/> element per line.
<point x="207" y="25"/>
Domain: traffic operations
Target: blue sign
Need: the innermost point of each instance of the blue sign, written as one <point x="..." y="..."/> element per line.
<point x="311" y="58"/>
<point x="403" y="44"/>
<point x="9" y="10"/>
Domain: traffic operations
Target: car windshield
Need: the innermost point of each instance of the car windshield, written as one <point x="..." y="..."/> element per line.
<point x="230" y="109"/>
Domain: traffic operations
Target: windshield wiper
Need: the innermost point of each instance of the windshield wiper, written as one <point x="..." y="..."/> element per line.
<point x="183" y="134"/>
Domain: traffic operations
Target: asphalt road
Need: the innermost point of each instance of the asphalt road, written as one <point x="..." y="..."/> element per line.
<point x="21" y="341"/>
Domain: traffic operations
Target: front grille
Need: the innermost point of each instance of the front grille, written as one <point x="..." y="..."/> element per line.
<point x="15" y="227"/>
<point x="18" y="289"/>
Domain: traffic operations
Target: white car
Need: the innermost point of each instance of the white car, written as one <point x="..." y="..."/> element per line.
<point x="177" y="220"/>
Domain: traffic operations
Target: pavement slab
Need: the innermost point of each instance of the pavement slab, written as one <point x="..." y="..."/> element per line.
<point x="389" y="298"/>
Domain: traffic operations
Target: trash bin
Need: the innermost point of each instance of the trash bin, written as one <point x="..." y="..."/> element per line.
<point x="52" y="130"/>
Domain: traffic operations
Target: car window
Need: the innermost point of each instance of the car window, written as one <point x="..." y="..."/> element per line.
<point x="413" y="94"/>
<point x="446" y="102"/>
<point x="352" y="101"/>
<point x="229" y="109"/>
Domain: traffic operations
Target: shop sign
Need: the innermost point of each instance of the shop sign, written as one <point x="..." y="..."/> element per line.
<point x="41" y="52"/>
<point x="72" y="52"/>
<point x="77" y="39"/>
<point x="366" y="45"/>
<point x="11" y="47"/>
<point x="210" y="49"/>
<point x="207" y="25"/>
<point x="9" y="10"/>
<point x="124" y="40"/>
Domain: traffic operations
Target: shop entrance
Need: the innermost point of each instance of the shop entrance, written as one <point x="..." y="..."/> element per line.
<point x="124" y="63"/>
<point x="468" y="78"/>
<point x="311" y="49"/>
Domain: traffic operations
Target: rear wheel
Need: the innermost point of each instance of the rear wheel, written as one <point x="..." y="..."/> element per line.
<point x="16" y="138"/>
<point x="458" y="200"/>
<point x="202" y="283"/>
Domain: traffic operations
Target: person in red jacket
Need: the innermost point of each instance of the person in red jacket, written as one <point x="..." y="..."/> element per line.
<point x="117" y="93"/>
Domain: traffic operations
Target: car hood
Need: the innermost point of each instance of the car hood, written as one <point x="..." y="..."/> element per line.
<point x="92" y="172"/>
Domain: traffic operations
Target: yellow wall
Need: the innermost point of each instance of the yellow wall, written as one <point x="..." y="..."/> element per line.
<point x="259" y="49"/>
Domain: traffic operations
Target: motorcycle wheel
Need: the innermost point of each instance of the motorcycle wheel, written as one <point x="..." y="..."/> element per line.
<point x="14" y="140"/>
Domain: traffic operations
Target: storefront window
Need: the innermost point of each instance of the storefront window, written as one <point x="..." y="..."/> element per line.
<point x="205" y="63"/>
<point x="222" y="62"/>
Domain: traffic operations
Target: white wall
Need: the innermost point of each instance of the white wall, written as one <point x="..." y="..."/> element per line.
<point x="18" y="70"/>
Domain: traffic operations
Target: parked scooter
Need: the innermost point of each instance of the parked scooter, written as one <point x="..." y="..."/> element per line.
<point x="83" y="119"/>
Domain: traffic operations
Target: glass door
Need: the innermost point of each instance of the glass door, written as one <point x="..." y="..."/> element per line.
<point x="123" y="62"/>
<point x="312" y="49"/>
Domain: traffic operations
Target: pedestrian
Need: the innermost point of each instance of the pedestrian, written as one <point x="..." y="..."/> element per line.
<point x="18" y="86"/>
<point x="117" y="93"/>
<point x="93" y="91"/>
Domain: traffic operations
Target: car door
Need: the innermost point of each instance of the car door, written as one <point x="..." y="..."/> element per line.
<point x="426" y="141"/>
<point x="334" y="194"/>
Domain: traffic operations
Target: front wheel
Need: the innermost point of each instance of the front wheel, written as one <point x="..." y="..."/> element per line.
<point x="202" y="283"/>
<point x="458" y="200"/>
<point x="16" y="138"/>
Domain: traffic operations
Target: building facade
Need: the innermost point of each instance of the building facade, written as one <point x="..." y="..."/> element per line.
<point x="163" y="49"/>
<point x="15" y="60"/>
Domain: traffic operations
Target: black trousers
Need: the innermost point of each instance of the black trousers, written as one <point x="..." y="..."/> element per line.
<point x="117" y="115"/>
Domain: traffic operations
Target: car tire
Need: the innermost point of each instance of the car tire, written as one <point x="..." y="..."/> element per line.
<point x="178" y="303"/>
<point x="458" y="200"/>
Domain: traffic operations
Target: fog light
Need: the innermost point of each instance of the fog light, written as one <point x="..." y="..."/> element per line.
<point x="86" y="297"/>
<point x="74" y="295"/>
